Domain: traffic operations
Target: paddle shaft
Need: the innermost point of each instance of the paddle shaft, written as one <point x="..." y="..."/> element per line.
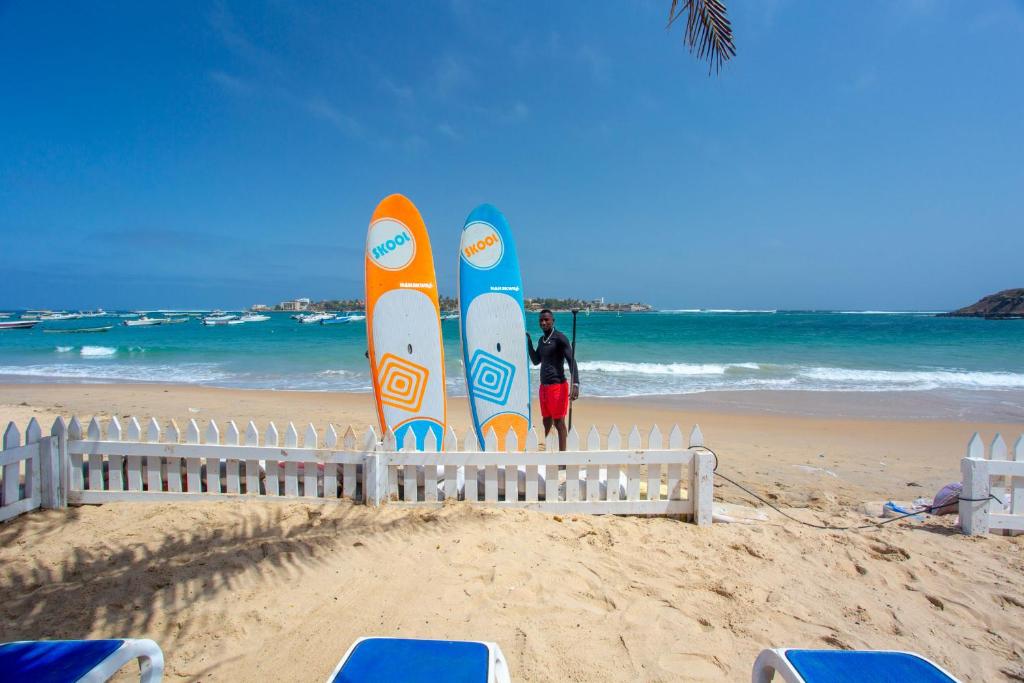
<point x="575" y="312"/>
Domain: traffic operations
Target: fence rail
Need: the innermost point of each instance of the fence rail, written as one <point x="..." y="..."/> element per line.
<point x="107" y="461"/>
<point x="993" y="487"/>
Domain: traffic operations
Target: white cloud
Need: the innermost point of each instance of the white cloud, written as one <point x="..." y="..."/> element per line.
<point x="321" y="108"/>
<point x="232" y="84"/>
<point x="448" y="131"/>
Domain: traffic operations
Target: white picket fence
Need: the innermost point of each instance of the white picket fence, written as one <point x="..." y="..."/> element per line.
<point x="108" y="462"/>
<point x="995" y="474"/>
<point x="29" y="471"/>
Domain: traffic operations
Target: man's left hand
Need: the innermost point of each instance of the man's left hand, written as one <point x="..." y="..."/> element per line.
<point x="575" y="393"/>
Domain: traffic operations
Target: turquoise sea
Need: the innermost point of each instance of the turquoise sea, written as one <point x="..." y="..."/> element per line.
<point x="663" y="353"/>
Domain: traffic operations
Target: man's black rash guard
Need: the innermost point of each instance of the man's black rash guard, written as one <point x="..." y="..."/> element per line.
<point x="552" y="351"/>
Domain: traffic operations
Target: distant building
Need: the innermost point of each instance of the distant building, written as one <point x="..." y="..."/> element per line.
<point x="259" y="307"/>
<point x="295" y="305"/>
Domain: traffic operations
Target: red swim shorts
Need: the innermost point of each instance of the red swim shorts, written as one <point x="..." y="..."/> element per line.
<point x="554" y="400"/>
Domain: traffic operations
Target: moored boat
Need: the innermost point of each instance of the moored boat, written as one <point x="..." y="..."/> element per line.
<point x="142" y="322"/>
<point x="75" y="330"/>
<point x="17" y="324"/>
<point x="315" y="318"/>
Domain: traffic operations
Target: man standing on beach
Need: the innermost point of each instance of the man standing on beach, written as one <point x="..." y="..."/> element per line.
<point x="553" y="351"/>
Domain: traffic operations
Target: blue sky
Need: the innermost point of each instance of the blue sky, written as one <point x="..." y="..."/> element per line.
<point x="853" y="155"/>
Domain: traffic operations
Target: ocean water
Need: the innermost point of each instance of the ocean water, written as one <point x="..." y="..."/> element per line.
<point x="639" y="354"/>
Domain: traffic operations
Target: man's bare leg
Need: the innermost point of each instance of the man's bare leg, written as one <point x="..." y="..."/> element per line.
<point x="562" y="433"/>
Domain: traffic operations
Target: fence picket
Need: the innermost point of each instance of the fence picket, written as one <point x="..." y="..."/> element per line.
<point x="654" y="443"/>
<point x="213" y="461"/>
<point x="675" y="469"/>
<point x="633" y="470"/>
<point x="614" y="442"/>
<point x="472" y="489"/>
<point x="291" y="466"/>
<point x="271" y="468"/>
<point x="174" y="465"/>
<point x="53" y="468"/>
<point x="331" y="469"/>
<point x="572" y="472"/>
<point x="511" y="471"/>
<point x="696" y="437"/>
<point x="348" y="472"/>
<point x="115" y="463"/>
<point x="1017" y="483"/>
<point x="193" y="466"/>
<point x="252" y="466"/>
<point x="491" y="471"/>
<point x="232" y="481"/>
<point x="450" y="444"/>
<point x="1000" y="490"/>
<point x="12" y="471"/>
<point x="430" y="445"/>
<point x="154" y="463"/>
<point x="593" y="472"/>
<point x="33" y="433"/>
<point x="532" y="471"/>
<point x="133" y="463"/>
<point x="76" y="478"/>
<point x="310" y="471"/>
<point x="409" y="471"/>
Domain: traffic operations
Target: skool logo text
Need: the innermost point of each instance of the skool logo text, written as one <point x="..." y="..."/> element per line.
<point x="480" y="245"/>
<point x="390" y="245"/>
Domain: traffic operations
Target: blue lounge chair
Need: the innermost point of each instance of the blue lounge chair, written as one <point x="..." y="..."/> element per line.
<point x="370" y="660"/>
<point x="86" y="661"/>
<point x="842" y="666"/>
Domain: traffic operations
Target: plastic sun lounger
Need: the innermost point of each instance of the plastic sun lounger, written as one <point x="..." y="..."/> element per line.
<point x="85" y="661"/>
<point x="412" y="660"/>
<point x="847" y="666"/>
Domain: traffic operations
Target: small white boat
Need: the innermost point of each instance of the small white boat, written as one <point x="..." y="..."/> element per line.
<point x="173" y="321"/>
<point x="129" y="315"/>
<point x="315" y="318"/>
<point x="211" y="322"/>
<point x="142" y="322"/>
<point x="18" y="324"/>
<point x="218" y="317"/>
<point x="61" y="316"/>
<point x="253" y="318"/>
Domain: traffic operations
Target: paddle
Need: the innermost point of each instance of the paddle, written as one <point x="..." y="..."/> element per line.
<point x="575" y="312"/>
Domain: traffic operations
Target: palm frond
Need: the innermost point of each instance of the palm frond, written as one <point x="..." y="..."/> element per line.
<point x="708" y="31"/>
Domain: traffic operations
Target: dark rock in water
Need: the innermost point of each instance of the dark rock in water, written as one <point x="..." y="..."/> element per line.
<point x="1005" y="305"/>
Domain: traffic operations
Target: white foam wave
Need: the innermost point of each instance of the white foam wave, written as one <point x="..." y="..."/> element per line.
<point x="185" y="373"/>
<point x="916" y="379"/>
<point x="688" y="369"/>
<point x="97" y="351"/>
<point x="65" y="349"/>
<point x="889" y="312"/>
<point x="718" y="310"/>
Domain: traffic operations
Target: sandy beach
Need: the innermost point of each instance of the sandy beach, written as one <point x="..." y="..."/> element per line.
<point x="261" y="591"/>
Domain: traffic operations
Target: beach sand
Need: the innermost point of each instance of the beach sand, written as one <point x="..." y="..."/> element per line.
<point x="279" y="590"/>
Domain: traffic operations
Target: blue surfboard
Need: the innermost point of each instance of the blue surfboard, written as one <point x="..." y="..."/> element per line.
<point x="493" y="327"/>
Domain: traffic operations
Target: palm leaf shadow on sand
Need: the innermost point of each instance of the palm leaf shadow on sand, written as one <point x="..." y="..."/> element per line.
<point x="128" y="587"/>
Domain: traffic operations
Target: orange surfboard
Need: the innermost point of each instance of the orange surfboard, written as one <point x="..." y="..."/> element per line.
<point x="403" y="323"/>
